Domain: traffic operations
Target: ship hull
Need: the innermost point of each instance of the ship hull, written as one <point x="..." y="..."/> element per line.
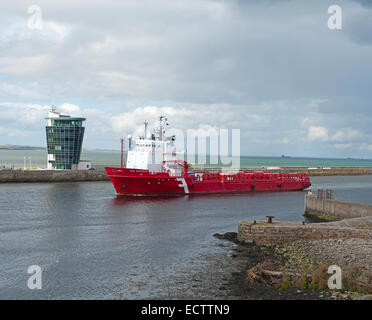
<point x="142" y="182"/>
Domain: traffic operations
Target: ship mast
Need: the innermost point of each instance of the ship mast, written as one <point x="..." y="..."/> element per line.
<point x="161" y="129"/>
<point x="146" y="124"/>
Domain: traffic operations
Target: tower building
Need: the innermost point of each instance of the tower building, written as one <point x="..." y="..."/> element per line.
<point x="64" y="136"/>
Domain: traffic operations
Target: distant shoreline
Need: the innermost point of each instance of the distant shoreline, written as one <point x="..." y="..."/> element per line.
<point x="22" y="148"/>
<point x="17" y="156"/>
<point x="10" y="147"/>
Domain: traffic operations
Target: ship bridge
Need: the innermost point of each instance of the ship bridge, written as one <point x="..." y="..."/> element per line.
<point x="152" y="149"/>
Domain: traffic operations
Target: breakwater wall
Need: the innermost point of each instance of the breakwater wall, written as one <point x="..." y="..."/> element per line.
<point x="334" y="171"/>
<point x="336" y="208"/>
<point x="263" y="233"/>
<point x="52" y="175"/>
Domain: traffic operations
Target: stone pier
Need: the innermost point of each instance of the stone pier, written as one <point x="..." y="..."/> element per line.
<point x="52" y="175"/>
<point x="336" y="209"/>
<point x="357" y="220"/>
<point x="263" y="233"/>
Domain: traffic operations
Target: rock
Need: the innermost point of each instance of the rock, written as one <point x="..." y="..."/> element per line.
<point x="231" y="236"/>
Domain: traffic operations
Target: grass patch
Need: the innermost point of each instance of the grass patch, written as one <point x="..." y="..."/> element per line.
<point x="304" y="271"/>
<point x="317" y="217"/>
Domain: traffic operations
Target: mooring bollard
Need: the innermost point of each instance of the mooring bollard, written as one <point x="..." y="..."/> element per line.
<point x="270" y="219"/>
<point x="320" y="193"/>
<point x="329" y="194"/>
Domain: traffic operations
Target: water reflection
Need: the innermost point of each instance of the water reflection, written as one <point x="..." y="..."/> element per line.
<point x="120" y="200"/>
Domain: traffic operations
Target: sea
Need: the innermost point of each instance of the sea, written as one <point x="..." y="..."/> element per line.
<point x="92" y="244"/>
<point x="99" y="159"/>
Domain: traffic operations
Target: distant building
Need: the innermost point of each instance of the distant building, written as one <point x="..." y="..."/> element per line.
<point x="64" y="140"/>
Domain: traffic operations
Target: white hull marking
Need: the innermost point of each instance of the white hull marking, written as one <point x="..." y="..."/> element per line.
<point x="183" y="184"/>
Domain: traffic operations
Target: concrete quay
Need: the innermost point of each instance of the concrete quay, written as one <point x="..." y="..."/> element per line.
<point x="263" y="233"/>
<point x="11" y="176"/>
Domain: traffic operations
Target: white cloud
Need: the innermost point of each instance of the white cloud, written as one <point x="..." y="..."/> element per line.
<point x="343" y="146"/>
<point x="29" y="114"/>
<point x="70" y="108"/>
<point x="365" y="147"/>
<point x="27" y="65"/>
<point x="22" y="113"/>
<point x="274" y="140"/>
<point x="317" y="133"/>
<point x="55" y="31"/>
<point x="15" y="91"/>
<point x="347" y="135"/>
<point x="269" y="135"/>
<point x="182" y="118"/>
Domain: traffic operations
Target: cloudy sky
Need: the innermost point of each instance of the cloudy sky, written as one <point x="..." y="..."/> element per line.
<point x="272" y="69"/>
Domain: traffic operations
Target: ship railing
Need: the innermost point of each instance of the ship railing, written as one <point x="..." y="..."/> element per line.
<point x="248" y="176"/>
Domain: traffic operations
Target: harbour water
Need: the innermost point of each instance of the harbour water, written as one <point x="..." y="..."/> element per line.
<point x="92" y="244"/>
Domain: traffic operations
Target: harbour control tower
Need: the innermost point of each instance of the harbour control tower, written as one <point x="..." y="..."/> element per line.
<point x="64" y="136"/>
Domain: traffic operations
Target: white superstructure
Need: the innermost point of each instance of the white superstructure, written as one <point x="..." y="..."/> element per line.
<point x="151" y="150"/>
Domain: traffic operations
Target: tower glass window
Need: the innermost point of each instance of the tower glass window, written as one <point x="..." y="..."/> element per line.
<point x="64" y="135"/>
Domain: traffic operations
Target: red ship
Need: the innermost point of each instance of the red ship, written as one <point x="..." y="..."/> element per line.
<point x="153" y="169"/>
